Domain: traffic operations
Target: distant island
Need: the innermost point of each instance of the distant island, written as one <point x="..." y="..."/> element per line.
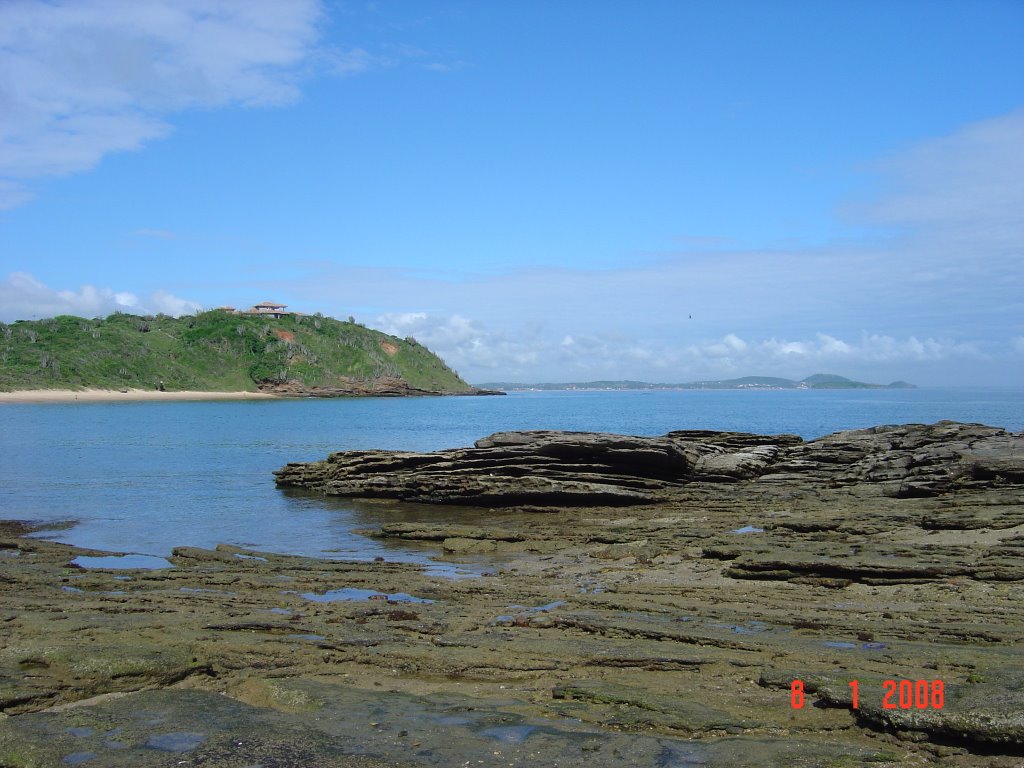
<point x="263" y="349"/>
<point x="817" y="381"/>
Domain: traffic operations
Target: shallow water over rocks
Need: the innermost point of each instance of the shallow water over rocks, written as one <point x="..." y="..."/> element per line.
<point x="122" y="562"/>
<point x="325" y="724"/>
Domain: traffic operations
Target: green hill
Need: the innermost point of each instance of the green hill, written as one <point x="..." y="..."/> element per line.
<point x="215" y="351"/>
<point x="832" y="381"/>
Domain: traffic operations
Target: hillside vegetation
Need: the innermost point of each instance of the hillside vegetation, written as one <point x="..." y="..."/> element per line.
<point x="211" y="351"/>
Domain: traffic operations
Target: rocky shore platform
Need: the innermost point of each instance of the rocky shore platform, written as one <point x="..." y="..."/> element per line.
<point x="695" y="599"/>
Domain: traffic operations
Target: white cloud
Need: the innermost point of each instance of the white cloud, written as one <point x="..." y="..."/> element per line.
<point x="446" y="67"/>
<point x="966" y="185"/>
<point x="350" y="62"/>
<point x="482" y="354"/>
<point x="450" y="331"/>
<point x="796" y="356"/>
<point x="163" y="302"/>
<point x="834" y="346"/>
<point x="80" y="79"/>
<point x="13" y="194"/>
<point x="462" y="343"/>
<point x="731" y="344"/>
<point x="22" y="297"/>
<point x="785" y="349"/>
<point x="735" y="342"/>
<point x="944" y="289"/>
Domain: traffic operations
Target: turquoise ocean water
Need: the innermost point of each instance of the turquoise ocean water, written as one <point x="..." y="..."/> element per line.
<point x="145" y="477"/>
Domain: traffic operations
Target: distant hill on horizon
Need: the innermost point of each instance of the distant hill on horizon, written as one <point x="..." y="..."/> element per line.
<point x="815" y="381"/>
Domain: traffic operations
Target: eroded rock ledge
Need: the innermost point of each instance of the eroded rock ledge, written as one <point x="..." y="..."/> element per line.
<point x="581" y="468"/>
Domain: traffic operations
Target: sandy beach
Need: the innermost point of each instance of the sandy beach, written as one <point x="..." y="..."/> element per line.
<point x="114" y="396"/>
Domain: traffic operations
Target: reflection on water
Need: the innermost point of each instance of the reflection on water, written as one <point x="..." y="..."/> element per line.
<point x="122" y="562"/>
<point x="353" y="594"/>
<point x="307" y="524"/>
<point x="373" y="513"/>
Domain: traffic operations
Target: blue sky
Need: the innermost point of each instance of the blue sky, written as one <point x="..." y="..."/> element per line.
<point x="548" y="191"/>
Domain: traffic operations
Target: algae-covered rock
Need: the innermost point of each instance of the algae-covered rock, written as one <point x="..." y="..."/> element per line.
<point x="989" y="712"/>
<point x="67" y="672"/>
<point x="636" y="706"/>
<point x="164" y="728"/>
<point x="865" y="556"/>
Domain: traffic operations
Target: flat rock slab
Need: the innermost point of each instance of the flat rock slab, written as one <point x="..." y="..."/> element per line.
<point x="637" y="706"/>
<point x="304" y="723"/>
<point x="165" y="728"/>
<point x="986" y="713"/>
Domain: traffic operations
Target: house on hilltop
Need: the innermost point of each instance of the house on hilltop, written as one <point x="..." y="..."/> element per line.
<point x="269" y="309"/>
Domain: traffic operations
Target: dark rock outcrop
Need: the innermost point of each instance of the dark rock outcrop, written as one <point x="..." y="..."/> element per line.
<point x="581" y="468"/>
<point x="523" y="469"/>
<point x="379" y="387"/>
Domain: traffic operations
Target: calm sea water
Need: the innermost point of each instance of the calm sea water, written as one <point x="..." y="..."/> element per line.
<point x="145" y="477"/>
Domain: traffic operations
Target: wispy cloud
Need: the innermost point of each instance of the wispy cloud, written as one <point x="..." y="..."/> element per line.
<point x="931" y="302"/>
<point x="351" y="62"/>
<point x="481" y="353"/>
<point x="22" y="297"/>
<point x="80" y="79"/>
<point x="465" y="344"/>
<point x="938" y="294"/>
<point x="966" y="186"/>
<point x="13" y="194"/>
<point x="445" y="67"/>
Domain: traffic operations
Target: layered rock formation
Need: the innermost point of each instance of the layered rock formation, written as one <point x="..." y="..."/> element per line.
<point x="576" y="468"/>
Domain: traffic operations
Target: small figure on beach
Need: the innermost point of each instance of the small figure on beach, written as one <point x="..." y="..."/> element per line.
<point x="160" y="386"/>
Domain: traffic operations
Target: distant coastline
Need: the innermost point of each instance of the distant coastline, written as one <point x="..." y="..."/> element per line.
<point x="817" y="381"/>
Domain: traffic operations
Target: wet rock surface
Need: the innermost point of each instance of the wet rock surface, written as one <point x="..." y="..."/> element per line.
<point x="662" y="633"/>
<point x="572" y="468"/>
<point x="540" y="467"/>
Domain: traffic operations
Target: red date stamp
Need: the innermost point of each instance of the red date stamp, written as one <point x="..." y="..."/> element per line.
<point x="896" y="694"/>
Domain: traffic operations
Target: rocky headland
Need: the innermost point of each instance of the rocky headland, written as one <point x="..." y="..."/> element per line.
<point x="272" y="352"/>
<point x="646" y="601"/>
<point x="386" y="386"/>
